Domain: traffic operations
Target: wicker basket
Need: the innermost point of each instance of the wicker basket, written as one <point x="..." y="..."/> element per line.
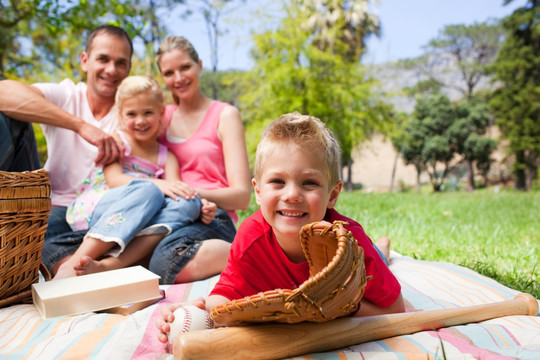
<point x="24" y="208"/>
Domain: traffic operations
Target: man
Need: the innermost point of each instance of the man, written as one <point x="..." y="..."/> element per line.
<point x="76" y="120"/>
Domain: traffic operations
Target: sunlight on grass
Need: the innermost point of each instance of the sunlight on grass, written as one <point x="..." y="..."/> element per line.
<point x="497" y="235"/>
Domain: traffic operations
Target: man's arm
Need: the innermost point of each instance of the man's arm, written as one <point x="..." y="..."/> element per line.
<point x="27" y="103"/>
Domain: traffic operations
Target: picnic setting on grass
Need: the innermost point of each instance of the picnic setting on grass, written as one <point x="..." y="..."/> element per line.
<point x="160" y="227"/>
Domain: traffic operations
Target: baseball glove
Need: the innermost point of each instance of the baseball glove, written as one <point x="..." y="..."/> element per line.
<point x="334" y="288"/>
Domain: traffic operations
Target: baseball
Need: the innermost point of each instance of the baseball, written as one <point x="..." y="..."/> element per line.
<point x="189" y="318"/>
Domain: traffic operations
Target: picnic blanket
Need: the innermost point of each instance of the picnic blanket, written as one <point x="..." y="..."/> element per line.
<point x="425" y="285"/>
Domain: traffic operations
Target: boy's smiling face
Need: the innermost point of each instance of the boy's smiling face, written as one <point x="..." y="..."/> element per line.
<point x="294" y="190"/>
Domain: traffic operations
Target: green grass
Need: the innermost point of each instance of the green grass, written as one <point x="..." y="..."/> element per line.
<point x="495" y="234"/>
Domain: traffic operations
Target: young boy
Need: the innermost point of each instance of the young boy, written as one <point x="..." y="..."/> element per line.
<point x="296" y="183"/>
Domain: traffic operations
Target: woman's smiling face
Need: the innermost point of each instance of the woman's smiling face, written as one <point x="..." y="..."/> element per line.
<point x="180" y="73"/>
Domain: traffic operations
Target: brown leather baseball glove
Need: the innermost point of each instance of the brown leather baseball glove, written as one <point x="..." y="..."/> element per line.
<point x="334" y="289"/>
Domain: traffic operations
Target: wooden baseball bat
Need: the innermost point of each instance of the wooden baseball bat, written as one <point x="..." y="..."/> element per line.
<point x="276" y="341"/>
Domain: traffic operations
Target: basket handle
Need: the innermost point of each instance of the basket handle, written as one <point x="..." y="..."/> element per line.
<point x="45" y="272"/>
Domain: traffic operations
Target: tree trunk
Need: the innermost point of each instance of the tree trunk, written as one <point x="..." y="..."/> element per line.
<point x="393" y="178"/>
<point x="470" y="176"/>
<point x="530" y="171"/>
<point x="214" y="84"/>
<point x="521" y="183"/>
<point x="418" y="185"/>
<point x="349" y="184"/>
<point x="520" y="180"/>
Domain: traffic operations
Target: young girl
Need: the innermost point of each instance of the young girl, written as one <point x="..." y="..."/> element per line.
<point x="139" y="101"/>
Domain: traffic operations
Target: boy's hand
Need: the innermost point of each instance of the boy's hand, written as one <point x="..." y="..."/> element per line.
<point x="167" y="317"/>
<point x="208" y="211"/>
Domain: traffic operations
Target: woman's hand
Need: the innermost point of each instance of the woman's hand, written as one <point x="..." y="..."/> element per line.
<point x="175" y="189"/>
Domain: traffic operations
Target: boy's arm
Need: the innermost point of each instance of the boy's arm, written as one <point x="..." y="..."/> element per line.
<point x="367" y="308"/>
<point x="215" y="300"/>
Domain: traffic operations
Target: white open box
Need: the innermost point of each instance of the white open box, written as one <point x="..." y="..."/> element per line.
<point x="95" y="292"/>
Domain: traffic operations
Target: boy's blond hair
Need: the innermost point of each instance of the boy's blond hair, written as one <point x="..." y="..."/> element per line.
<point x="308" y="134"/>
<point x="135" y="85"/>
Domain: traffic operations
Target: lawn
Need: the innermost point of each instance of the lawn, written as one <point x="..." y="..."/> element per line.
<point x="495" y="234"/>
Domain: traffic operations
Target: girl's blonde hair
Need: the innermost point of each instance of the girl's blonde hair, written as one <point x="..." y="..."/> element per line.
<point x="308" y="134"/>
<point x="176" y="42"/>
<point x="135" y="85"/>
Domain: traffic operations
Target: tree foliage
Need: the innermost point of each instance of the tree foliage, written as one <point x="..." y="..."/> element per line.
<point x="29" y="26"/>
<point x="472" y="47"/>
<point x="341" y="26"/>
<point x="294" y="72"/>
<point x="516" y="102"/>
<point x="213" y="12"/>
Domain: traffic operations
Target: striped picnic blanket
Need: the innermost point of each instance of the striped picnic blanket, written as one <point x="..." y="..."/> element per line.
<point x="425" y="285"/>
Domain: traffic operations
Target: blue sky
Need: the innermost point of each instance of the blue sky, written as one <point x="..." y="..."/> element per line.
<point x="407" y="25"/>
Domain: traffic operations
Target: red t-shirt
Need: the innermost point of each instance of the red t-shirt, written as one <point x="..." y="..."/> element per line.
<point x="257" y="263"/>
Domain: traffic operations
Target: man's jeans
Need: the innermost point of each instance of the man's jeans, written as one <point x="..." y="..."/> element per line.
<point x="18" y="149"/>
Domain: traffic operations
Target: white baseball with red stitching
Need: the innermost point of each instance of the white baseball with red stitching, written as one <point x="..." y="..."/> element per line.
<point x="189" y="318"/>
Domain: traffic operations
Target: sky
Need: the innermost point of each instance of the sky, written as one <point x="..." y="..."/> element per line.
<point x="407" y="26"/>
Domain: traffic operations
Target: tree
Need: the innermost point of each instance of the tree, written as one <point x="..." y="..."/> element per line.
<point x="339" y="25"/>
<point x="473" y="47"/>
<point x="440" y="135"/>
<point x="142" y="19"/>
<point x="294" y="71"/>
<point x="516" y="101"/>
<point x="27" y="27"/>
<point x="213" y="12"/>
<point x="397" y="136"/>
<point x="13" y="16"/>
<point x="467" y="137"/>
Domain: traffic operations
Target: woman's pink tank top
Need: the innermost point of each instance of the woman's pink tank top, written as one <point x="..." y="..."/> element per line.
<point x="200" y="157"/>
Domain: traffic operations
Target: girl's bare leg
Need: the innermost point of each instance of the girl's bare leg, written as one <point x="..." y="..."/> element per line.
<point x="90" y="247"/>
<point x="137" y="250"/>
<point x="208" y="261"/>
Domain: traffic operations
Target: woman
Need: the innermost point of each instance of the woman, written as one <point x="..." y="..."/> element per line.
<point x="207" y="137"/>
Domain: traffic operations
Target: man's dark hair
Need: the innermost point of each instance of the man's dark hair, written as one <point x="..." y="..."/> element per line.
<point x="109" y="30"/>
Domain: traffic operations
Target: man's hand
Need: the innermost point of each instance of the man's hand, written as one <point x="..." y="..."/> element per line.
<point x="108" y="147"/>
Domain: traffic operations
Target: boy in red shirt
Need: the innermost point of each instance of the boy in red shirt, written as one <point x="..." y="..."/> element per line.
<point x="296" y="183"/>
